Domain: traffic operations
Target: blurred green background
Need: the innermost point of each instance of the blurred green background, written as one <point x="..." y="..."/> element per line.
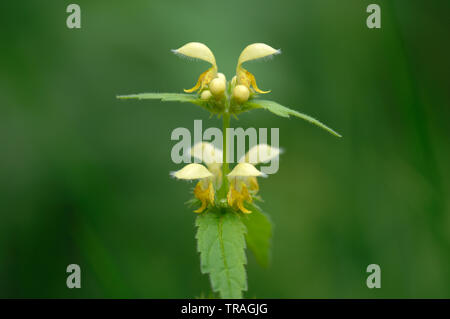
<point x="85" y="177"/>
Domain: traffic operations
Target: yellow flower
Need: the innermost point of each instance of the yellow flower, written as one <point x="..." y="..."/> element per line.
<point x="204" y="190"/>
<point x="260" y="153"/>
<point x="197" y="50"/>
<point x="209" y="178"/>
<point x="212" y="157"/>
<point x="242" y="185"/>
<point x="252" y="52"/>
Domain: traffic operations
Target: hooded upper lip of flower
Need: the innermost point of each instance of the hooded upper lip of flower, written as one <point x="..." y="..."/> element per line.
<point x="197" y="50"/>
<point x="252" y="52"/>
<point x="255" y="51"/>
<point x="243" y="183"/>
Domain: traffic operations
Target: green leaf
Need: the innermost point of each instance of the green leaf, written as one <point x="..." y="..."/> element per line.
<point x="166" y="97"/>
<point x="284" y="111"/>
<point x="259" y="234"/>
<point x="221" y="244"/>
<point x="170" y="97"/>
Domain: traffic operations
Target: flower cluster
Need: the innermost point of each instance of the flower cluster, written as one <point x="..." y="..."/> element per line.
<point x="212" y="85"/>
<point x="243" y="185"/>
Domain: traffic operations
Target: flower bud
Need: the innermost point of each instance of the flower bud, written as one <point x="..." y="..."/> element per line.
<point x="206" y="95"/>
<point x="241" y="93"/>
<point x="221" y="76"/>
<point x="217" y="86"/>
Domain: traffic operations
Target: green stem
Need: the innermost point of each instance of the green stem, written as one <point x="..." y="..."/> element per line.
<point x="225" y="168"/>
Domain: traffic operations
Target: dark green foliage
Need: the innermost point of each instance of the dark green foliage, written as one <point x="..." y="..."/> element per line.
<point x="221" y="244"/>
<point x="259" y="234"/>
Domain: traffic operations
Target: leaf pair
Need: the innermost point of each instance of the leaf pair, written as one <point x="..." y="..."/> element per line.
<point x="271" y="106"/>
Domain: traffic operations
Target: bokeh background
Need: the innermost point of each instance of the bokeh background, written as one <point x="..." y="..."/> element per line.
<point x="84" y="178"/>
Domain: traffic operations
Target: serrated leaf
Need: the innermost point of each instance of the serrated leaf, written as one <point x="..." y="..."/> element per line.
<point x="169" y="97"/>
<point x="179" y="97"/>
<point x="221" y="244"/>
<point x="284" y="111"/>
<point x="259" y="234"/>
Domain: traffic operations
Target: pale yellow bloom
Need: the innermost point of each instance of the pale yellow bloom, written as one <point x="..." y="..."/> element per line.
<point x="243" y="178"/>
<point x="197" y="50"/>
<point x="245" y="170"/>
<point x="252" y="52"/>
<point x="209" y="177"/>
<point x="243" y="185"/>
<point x="207" y="153"/>
<point x="260" y="153"/>
<point x="204" y="190"/>
<point x="212" y="157"/>
<point x="192" y="171"/>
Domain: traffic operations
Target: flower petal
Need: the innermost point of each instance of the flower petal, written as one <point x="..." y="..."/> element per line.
<point x="196" y="50"/>
<point x="256" y="51"/>
<point x="207" y="153"/>
<point x="204" y="195"/>
<point x="260" y="153"/>
<point x="245" y="170"/>
<point x="192" y="171"/>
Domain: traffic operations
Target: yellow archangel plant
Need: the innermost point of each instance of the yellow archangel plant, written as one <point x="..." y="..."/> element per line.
<point x="228" y="218"/>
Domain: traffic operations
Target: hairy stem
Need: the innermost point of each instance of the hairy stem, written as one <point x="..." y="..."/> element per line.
<point x="225" y="168"/>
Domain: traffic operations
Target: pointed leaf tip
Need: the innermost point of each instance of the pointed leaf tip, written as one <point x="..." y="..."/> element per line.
<point x="284" y="111"/>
